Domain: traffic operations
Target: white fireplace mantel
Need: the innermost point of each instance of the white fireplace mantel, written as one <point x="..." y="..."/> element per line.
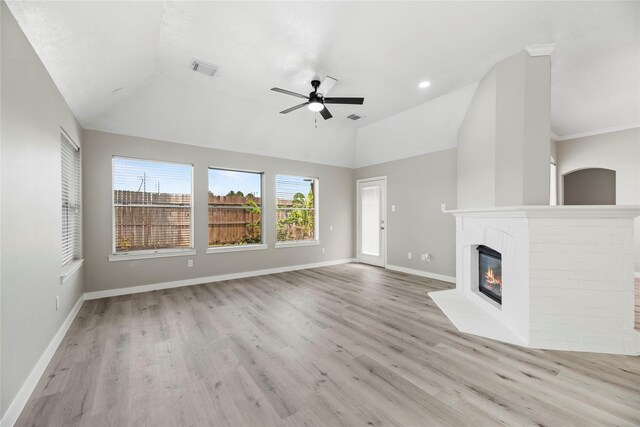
<point x="567" y="273"/>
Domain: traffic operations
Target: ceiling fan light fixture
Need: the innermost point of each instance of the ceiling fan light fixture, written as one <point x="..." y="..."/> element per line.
<point x="316" y="106"/>
<point x="316" y="100"/>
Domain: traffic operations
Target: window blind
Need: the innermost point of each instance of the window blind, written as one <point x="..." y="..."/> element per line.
<point x="71" y="219"/>
<point x="296" y="208"/>
<point x="152" y="205"/>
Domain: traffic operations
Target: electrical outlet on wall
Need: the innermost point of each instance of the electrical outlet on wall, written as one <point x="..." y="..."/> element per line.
<point x="393" y="208"/>
<point x="190" y="263"/>
<point x="331" y="228"/>
<point x="408" y="255"/>
<point x="322" y="250"/>
<point x="425" y="257"/>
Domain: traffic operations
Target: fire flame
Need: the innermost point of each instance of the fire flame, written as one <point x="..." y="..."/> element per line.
<point x="491" y="278"/>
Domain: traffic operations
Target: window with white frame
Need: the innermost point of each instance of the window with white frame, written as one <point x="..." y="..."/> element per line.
<point x="152" y="206"/>
<point x="71" y="219"/>
<point x="296" y="208"/>
<point x="235" y="208"/>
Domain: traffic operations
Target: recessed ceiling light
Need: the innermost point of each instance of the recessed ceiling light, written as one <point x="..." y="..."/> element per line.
<point x="424" y="84"/>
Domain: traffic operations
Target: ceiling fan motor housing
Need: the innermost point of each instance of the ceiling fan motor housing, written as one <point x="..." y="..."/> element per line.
<point x="314" y="97"/>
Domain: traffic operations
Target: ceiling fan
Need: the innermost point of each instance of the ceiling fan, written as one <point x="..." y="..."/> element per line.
<point x="317" y="99"/>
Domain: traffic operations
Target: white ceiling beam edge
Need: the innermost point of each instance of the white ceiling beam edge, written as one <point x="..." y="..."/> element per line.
<point x="596" y="132"/>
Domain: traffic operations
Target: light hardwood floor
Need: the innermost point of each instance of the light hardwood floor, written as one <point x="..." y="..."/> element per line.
<point x="343" y="345"/>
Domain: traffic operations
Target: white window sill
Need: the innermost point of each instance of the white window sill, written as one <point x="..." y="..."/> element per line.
<point x="236" y="248"/>
<point x="128" y="256"/>
<point x="69" y="269"/>
<point x="281" y="245"/>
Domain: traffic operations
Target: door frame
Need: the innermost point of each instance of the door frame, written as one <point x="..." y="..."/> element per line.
<point x="383" y="212"/>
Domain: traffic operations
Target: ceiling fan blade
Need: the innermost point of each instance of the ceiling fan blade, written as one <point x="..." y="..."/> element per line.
<point x="357" y="101"/>
<point x="325" y="113"/>
<point x="288" y="92"/>
<point x="288" y="110"/>
<point x="326" y="85"/>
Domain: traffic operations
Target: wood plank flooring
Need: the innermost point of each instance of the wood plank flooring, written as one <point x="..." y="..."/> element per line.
<point x="344" y="345"/>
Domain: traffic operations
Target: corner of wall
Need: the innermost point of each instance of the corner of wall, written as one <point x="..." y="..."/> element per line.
<point x="31" y="141"/>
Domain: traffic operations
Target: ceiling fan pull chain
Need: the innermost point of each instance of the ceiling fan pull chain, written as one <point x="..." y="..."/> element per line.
<point x="315" y="119"/>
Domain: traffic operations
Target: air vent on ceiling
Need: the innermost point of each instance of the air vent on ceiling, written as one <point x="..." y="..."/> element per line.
<point x="354" y="117"/>
<point x="204" y="68"/>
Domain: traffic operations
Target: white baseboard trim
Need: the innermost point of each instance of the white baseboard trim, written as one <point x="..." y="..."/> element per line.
<point x="21" y="399"/>
<point x="201" y="280"/>
<point x="422" y="273"/>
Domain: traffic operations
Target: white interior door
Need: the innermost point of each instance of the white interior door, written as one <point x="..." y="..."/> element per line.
<point x="372" y="221"/>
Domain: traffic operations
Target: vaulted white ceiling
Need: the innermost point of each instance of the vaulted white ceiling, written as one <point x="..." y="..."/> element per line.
<point x="125" y="66"/>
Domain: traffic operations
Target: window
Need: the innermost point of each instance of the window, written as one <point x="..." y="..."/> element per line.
<point x="296" y="208"/>
<point x="71" y="219"/>
<point x="553" y="181"/>
<point x="152" y="206"/>
<point x="235" y="208"/>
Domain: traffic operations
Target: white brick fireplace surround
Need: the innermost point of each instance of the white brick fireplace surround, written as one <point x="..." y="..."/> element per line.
<point x="567" y="274"/>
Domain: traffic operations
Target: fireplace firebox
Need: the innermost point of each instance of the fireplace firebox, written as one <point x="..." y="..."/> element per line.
<point x="490" y="273"/>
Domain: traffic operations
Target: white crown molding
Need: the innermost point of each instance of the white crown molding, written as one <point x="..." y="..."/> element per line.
<point x="200" y="280"/>
<point x="21" y="399"/>
<point x="421" y="273"/>
<point x="597" y="132"/>
<point x="540" y="49"/>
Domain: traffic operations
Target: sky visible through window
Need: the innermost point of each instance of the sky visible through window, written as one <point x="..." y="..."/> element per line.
<point x="154" y="177"/>
<point x="175" y="178"/>
<point x="222" y="182"/>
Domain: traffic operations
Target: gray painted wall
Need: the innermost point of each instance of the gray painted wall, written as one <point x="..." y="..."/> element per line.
<point x="32" y="113"/>
<point x="503" y="142"/>
<point x="536" y="129"/>
<point x="593" y="186"/>
<point x="523" y="111"/>
<point x="476" y="148"/>
<point x="337" y="205"/>
<point x="417" y="186"/>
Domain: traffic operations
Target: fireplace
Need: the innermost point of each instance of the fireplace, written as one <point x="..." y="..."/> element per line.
<point x="490" y="273"/>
